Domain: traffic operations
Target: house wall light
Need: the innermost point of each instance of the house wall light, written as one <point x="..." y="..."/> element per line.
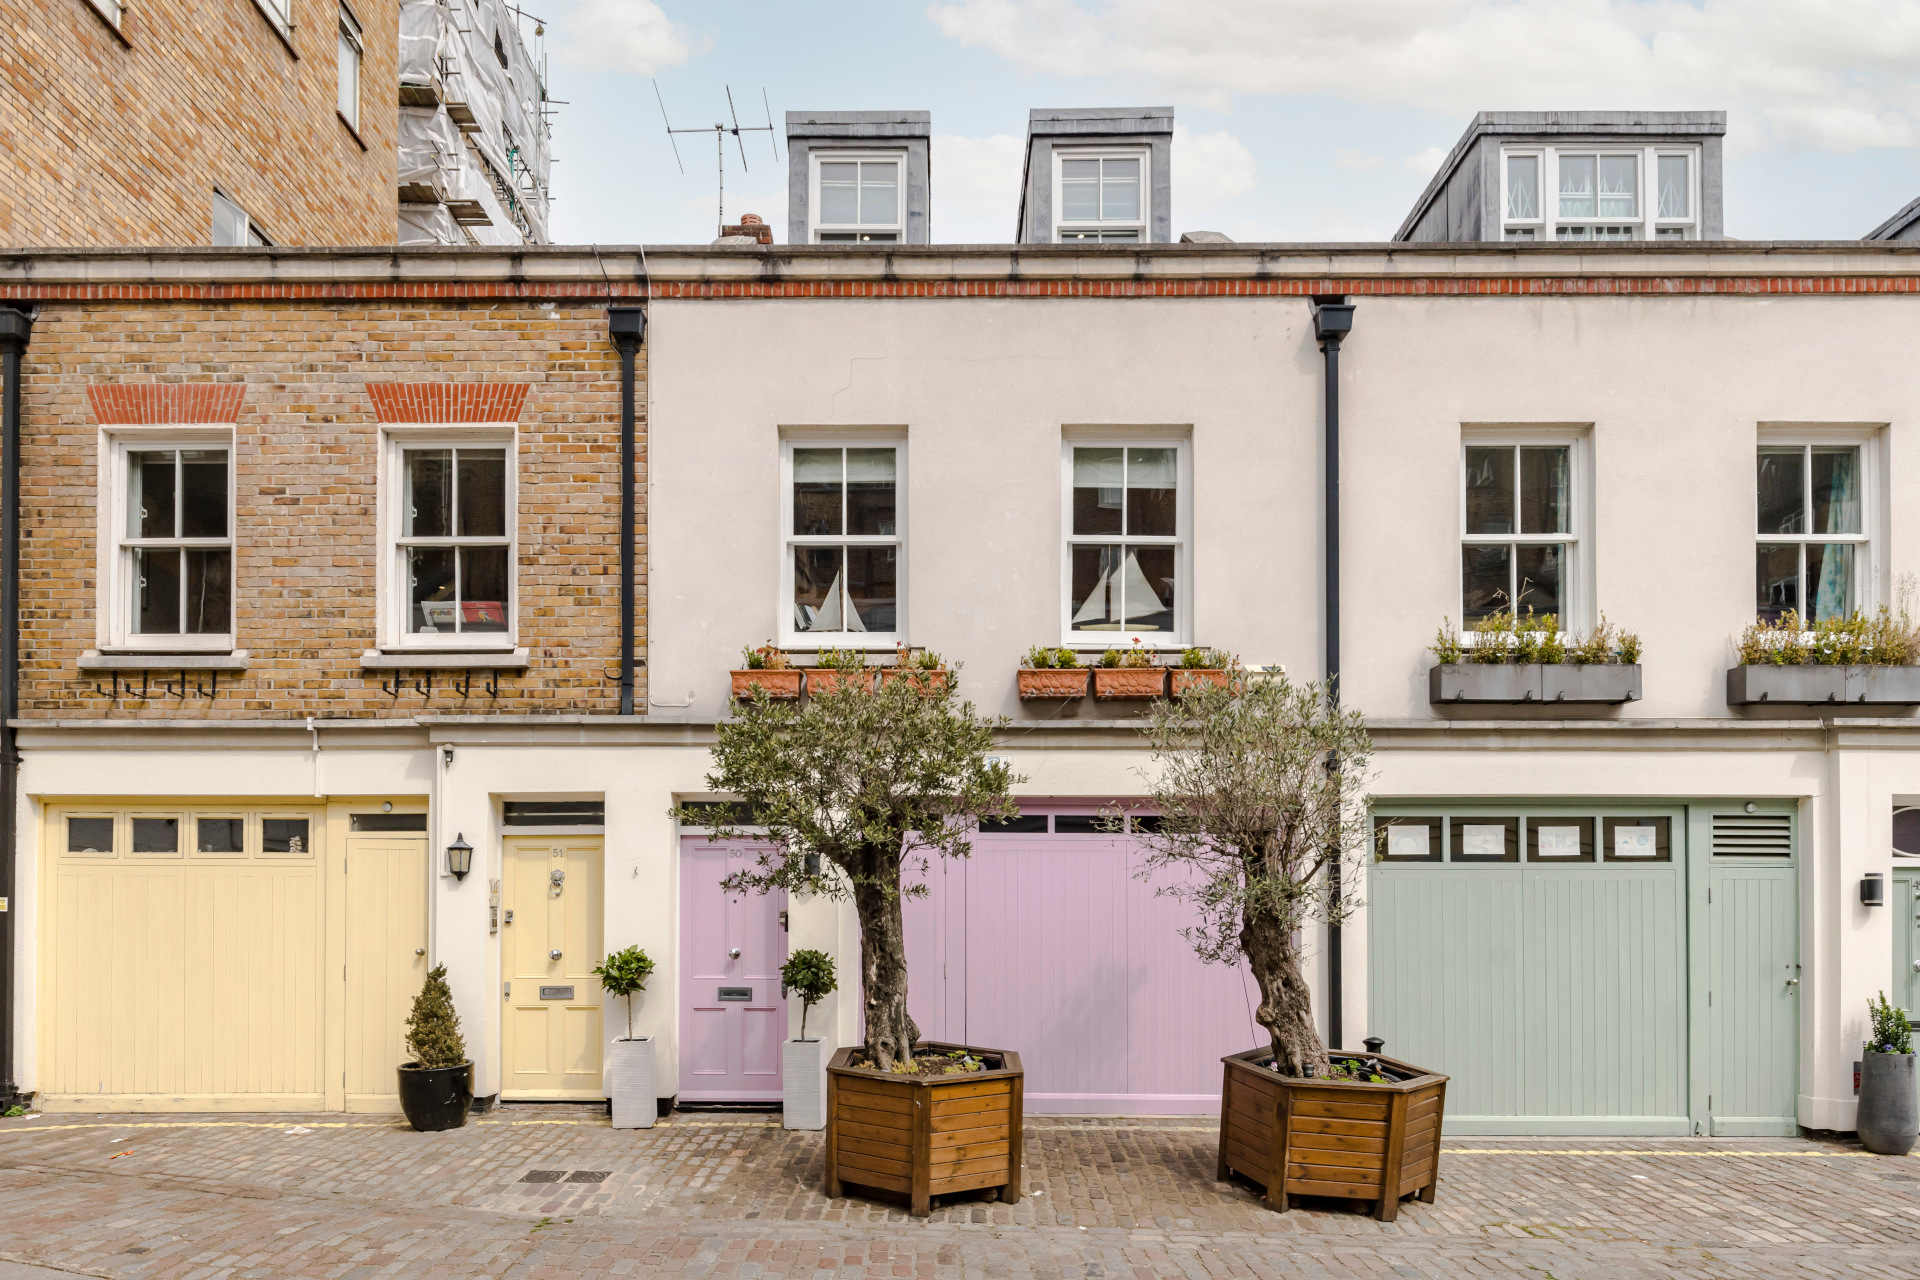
<point x="1873" y="890"/>
<point x="459" y="857"/>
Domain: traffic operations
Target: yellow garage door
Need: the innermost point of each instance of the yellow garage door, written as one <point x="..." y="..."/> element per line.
<point x="181" y="959"/>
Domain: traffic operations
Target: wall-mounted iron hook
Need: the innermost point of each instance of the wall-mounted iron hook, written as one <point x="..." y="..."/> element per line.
<point x="493" y="684"/>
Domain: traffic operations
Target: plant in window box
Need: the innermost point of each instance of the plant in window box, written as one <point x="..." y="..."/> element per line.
<point x="767" y="672"/>
<point x="1128" y="673"/>
<point x="1856" y="658"/>
<point x="924" y="669"/>
<point x="1052" y="673"/>
<point x="1200" y="668"/>
<point x="1527" y="657"/>
<point x="837" y="667"/>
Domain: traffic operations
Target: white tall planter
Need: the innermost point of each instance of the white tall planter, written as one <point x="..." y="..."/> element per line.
<point x="630" y="1078"/>
<point x="803" y="1083"/>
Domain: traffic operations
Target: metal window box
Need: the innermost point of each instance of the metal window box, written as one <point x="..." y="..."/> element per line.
<point x="1520" y="682"/>
<point x="1817" y="684"/>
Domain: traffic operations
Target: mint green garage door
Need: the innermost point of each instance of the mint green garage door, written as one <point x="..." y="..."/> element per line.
<point x="1540" y="958"/>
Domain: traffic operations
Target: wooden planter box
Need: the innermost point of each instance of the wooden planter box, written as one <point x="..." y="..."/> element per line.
<point x="925" y="1137"/>
<point x="929" y="681"/>
<point x="1814" y="684"/>
<point x="1129" y="682"/>
<point x="778" y="684"/>
<point x="828" y="679"/>
<point x="1053" y="682"/>
<point x="1355" y="1141"/>
<point x="1193" y="679"/>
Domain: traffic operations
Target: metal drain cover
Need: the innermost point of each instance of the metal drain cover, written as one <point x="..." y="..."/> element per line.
<point x="544" y="1175"/>
<point x="589" y="1175"/>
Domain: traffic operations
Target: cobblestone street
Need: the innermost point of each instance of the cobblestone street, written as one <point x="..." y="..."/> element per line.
<point x="541" y="1192"/>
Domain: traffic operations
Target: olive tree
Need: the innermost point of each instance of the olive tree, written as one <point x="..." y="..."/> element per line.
<point x="1260" y="784"/>
<point x="857" y="791"/>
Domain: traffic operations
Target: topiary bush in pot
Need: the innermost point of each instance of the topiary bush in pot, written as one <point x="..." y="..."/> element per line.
<point x="1889" y="1119"/>
<point x="630" y="1076"/>
<point x="803" y="1063"/>
<point x="436" y="1088"/>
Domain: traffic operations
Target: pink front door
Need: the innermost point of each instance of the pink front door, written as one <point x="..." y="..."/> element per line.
<point x="732" y="1017"/>
<point x="1044" y="942"/>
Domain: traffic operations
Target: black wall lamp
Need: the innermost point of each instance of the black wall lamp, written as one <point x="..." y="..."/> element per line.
<point x="460" y="857"/>
<point x="1873" y="890"/>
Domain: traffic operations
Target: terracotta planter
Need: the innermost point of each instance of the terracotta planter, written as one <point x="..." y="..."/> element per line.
<point x="1129" y="682"/>
<point x="1336" y="1138"/>
<point x="929" y="681"/>
<point x="828" y="679"/>
<point x="1193" y="679"/>
<point x="1053" y="682"/>
<point x="778" y="684"/>
<point x="925" y="1137"/>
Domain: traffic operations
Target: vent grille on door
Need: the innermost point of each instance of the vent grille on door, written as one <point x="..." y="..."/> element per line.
<point x="1752" y="835"/>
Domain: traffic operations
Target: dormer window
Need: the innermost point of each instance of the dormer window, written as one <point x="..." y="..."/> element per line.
<point x="1102" y="195"/>
<point x="1599" y="194"/>
<point x="856" y="198"/>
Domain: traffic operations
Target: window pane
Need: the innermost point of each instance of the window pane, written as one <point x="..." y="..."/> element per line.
<point x="1619" y="186"/>
<point x="349" y="81"/>
<point x="1486" y="581"/>
<point x="429" y="493"/>
<point x="209" y="591"/>
<point x="816" y="589"/>
<point x="430" y="590"/>
<point x="839" y="193"/>
<point x="1782" y="497"/>
<point x="1152" y="489"/>
<point x="1147" y="578"/>
<point x="872" y="586"/>
<point x="871" y="493"/>
<point x="483" y="493"/>
<point x="816" y="491"/>
<point x="1546" y="490"/>
<point x="89" y="835"/>
<point x="1576" y="186"/>
<point x="1542" y="571"/>
<point x="880" y="193"/>
<point x="1836" y="490"/>
<point x="1120" y="191"/>
<point x="1489" y="489"/>
<point x="1523" y="187"/>
<point x="1079" y="190"/>
<point x="1097" y="492"/>
<point x="220" y="835"/>
<point x="284" y="835"/>
<point x="156" y="587"/>
<point x="1520" y="233"/>
<point x="1676" y="191"/>
<point x="203" y="493"/>
<point x="150" y="481"/>
<point x="1096" y="586"/>
<point x="1778" y="581"/>
<point x="483" y="589"/>
<point x="1829" y="580"/>
<point x="156" y="835"/>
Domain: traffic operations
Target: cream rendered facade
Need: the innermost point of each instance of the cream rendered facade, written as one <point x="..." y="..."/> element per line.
<point x="1667" y="365"/>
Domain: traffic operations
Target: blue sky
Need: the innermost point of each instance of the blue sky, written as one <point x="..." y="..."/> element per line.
<point x="1298" y="120"/>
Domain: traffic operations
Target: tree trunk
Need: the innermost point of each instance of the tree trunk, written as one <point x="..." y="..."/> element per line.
<point x="1286" y="1005"/>
<point x="883" y="972"/>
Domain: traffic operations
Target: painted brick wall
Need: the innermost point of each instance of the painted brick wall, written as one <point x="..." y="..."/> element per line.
<point x="120" y="140"/>
<point x="306" y="462"/>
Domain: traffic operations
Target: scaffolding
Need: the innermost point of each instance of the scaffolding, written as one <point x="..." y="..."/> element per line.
<point x="475" y="125"/>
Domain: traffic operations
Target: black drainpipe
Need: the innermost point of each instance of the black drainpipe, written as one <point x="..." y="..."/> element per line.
<point x="16" y="330"/>
<point x="627" y="325"/>
<point x="1332" y="321"/>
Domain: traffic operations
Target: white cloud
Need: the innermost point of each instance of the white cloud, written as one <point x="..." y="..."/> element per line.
<point x="1427" y="161"/>
<point x="1794" y="73"/>
<point x="1209" y="168"/>
<point x="620" y="35"/>
<point x="1347" y="159"/>
<point x="976" y="188"/>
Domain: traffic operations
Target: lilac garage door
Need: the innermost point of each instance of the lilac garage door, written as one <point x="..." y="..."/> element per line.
<point x="1043" y="942"/>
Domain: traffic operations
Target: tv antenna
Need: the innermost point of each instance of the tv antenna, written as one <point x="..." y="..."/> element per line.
<point x="720" y="132"/>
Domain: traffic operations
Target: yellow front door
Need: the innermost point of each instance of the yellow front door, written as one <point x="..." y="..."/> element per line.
<point x="386" y="961"/>
<point x="550" y="940"/>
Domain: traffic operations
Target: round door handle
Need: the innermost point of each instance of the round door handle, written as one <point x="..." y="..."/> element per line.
<point x="1793" y="982"/>
<point x="733" y="953"/>
<point x="1916" y="966"/>
<point x="419" y="951"/>
<point x="553" y="955"/>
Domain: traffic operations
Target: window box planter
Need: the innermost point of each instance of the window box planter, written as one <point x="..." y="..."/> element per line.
<point x="1054" y="682"/>
<point x="928" y="680"/>
<point x="1129" y="682"/>
<point x="779" y="684"/>
<point x="1193" y="679"/>
<point x="828" y="679"/>
<point x="1557" y="682"/>
<point x="1812" y="684"/>
<point x="1337" y="1138"/>
<point x="925" y="1136"/>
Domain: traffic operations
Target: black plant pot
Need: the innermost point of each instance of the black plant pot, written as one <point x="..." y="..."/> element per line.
<point x="436" y="1098"/>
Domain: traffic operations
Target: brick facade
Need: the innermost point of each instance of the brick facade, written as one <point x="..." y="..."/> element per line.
<point x="119" y="138"/>
<point x="304" y="383"/>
